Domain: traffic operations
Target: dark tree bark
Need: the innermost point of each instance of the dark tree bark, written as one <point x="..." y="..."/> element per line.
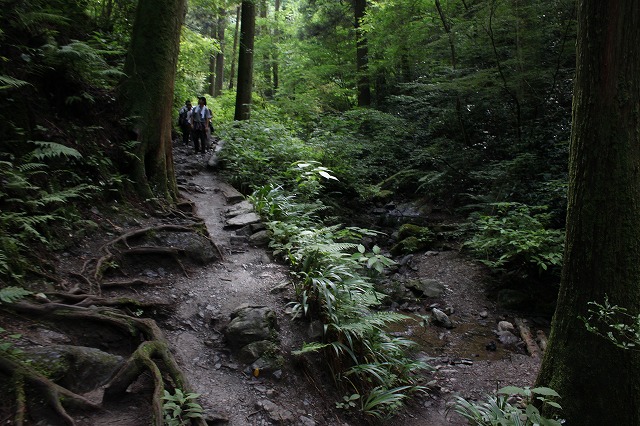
<point x="362" y="53"/>
<point x="222" y="23"/>
<point x="266" y="57"/>
<point x="236" y="36"/>
<point x="275" y="58"/>
<point x="599" y="383"/>
<point x="147" y="93"/>
<point x="245" y="60"/>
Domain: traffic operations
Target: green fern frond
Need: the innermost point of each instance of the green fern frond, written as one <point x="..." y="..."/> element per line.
<point x="310" y="347"/>
<point x="32" y="167"/>
<point x="31" y="20"/>
<point x="13" y="294"/>
<point x="111" y="73"/>
<point x="77" y="192"/>
<point x="7" y="82"/>
<point x="46" y="150"/>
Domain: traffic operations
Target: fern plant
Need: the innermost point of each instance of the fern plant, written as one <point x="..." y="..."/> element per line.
<point x="333" y="282"/>
<point x="498" y="410"/>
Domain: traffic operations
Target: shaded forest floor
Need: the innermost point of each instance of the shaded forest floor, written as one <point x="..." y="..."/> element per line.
<point x="192" y="304"/>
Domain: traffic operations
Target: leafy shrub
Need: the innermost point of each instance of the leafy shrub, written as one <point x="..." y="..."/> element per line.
<point x="180" y="408"/>
<point x="259" y="152"/>
<point x="515" y="238"/>
<point x="614" y="323"/>
<point x="499" y="411"/>
<point x="334" y="283"/>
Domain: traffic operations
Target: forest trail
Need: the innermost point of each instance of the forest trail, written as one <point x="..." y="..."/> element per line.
<point x="204" y="302"/>
<point x="247" y="275"/>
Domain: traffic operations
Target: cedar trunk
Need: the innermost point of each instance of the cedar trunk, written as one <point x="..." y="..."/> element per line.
<point x="362" y="56"/>
<point x="245" y="60"/>
<point x="147" y="93"/>
<point x="599" y="383"/>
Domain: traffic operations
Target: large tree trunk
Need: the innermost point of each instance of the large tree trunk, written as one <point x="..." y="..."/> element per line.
<point x="276" y="36"/>
<point x="245" y="60"/>
<point x="147" y="92"/>
<point x="236" y="35"/>
<point x="600" y="383"/>
<point x="266" y="56"/>
<point x="362" y="56"/>
<point x="222" y="23"/>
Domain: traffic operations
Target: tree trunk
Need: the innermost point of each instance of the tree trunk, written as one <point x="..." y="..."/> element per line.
<point x="599" y="383"/>
<point x="212" y="74"/>
<point x="147" y="93"/>
<point x="222" y="23"/>
<point x="266" y="57"/>
<point x="245" y="60"/>
<point x="364" y="86"/>
<point x="276" y="36"/>
<point x="235" y="49"/>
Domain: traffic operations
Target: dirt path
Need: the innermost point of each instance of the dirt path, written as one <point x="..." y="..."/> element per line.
<point x="204" y="302"/>
<point x="247" y="275"/>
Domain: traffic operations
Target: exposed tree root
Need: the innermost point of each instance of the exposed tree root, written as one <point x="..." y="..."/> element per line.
<point x="57" y="397"/>
<point x="130" y="283"/>
<point x="152" y="355"/>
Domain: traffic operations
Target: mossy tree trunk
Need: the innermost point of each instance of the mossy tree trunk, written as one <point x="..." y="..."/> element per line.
<point x="599" y="383"/>
<point x="147" y="92"/>
<point x="245" y="60"/>
<point x="362" y="55"/>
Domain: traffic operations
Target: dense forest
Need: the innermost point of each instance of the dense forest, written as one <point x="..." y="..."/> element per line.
<point x="505" y="129"/>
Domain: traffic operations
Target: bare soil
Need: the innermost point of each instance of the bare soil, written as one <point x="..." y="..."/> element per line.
<point x="201" y="298"/>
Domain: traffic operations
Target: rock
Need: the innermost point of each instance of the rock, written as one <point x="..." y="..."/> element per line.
<point x="260" y="238"/>
<point x="427" y="287"/>
<point x="240" y="208"/>
<point x="507" y="338"/>
<point x="315" y="330"/>
<point x="483" y="314"/>
<point x="506" y="326"/>
<point x="441" y="319"/>
<point x="276" y="413"/>
<point x="195" y="246"/>
<point x="243" y="220"/>
<point x="214" y="417"/>
<point x="306" y="421"/>
<point x="78" y="368"/>
<point x="250" y="324"/>
<point x="267" y="366"/>
<point x="230" y="193"/>
<point x="254" y="350"/>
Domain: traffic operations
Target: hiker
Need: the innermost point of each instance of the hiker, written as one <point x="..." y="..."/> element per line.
<point x="184" y="121"/>
<point x="200" y="119"/>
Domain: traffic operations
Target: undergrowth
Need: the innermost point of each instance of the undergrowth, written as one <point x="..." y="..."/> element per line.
<point x="333" y="277"/>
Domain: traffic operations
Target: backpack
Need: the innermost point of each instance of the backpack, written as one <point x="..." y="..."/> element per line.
<point x="182" y="117"/>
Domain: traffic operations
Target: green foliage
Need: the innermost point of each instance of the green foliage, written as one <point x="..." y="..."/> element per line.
<point x="13" y="294"/>
<point x="334" y="283"/>
<point x="260" y="151"/>
<point x="34" y="195"/>
<point x="7" y="342"/>
<point x="180" y="408"/>
<point x="515" y="237"/>
<point x="499" y="410"/>
<point x="614" y="323"/>
<point x="81" y="62"/>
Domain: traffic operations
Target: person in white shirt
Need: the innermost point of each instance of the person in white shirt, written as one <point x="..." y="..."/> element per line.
<point x="200" y="118"/>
